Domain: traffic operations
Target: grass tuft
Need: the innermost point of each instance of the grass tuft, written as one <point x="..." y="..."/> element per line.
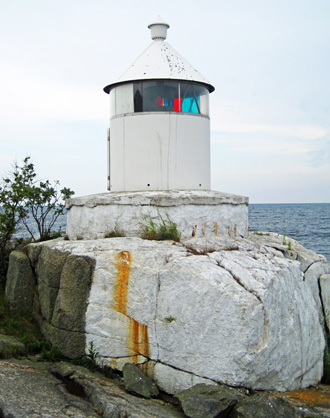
<point x="115" y="232"/>
<point x="160" y="230"/>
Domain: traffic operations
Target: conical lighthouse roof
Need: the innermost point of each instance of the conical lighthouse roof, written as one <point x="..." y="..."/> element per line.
<point x="160" y="62"/>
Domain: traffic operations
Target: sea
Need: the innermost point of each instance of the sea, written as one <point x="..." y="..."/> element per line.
<point x="307" y="223"/>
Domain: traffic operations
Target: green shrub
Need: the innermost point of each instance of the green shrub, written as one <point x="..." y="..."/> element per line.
<point x="24" y="198"/>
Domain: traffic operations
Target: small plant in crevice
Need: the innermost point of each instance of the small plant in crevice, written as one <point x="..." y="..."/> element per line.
<point x="160" y="230"/>
<point x="169" y="319"/>
<point x="92" y="355"/>
<point x="50" y="353"/>
<point x="115" y="232"/>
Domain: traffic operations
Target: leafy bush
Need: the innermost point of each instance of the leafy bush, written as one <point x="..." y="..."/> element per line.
<point x="12" y="210"/>
<point x="44" y="201"/>
<point x="163" y="229"/>
<point x="22" y="198"/>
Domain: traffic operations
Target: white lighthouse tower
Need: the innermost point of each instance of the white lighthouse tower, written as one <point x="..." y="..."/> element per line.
<point x="158" y="155"/>
<point x="159" y="136"/>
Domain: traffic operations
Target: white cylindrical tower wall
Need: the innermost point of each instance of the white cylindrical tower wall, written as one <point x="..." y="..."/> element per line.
<point x="159" y="122"/>
<point x="155" y="151"/>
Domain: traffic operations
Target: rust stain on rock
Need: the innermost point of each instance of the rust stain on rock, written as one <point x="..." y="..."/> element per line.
<point x="317" y="396"/>
<point x="121" y="285"/>
<point x="138" y="338"/>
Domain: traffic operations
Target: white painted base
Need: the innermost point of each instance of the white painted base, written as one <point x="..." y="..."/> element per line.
<point x="202" y="213"/>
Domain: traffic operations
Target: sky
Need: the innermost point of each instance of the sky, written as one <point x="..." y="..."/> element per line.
<point x="269" y="61"/>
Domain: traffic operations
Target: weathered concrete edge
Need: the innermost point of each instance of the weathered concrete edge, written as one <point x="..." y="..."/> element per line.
<point x="159" y="198"/>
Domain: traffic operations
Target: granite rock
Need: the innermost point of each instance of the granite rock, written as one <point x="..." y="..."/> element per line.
<point x="261" y="406"/>
<point x="138" y="383"/>
<point x="209" y="401"/>
<point x="210" y="309"/>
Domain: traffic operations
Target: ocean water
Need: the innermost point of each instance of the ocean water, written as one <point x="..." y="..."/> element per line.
<point x="307" y="223"/>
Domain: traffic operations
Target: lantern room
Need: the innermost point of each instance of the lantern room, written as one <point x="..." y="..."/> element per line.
<point x="159" y="136"/>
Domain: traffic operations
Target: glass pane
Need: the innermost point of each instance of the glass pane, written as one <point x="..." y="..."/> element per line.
<point x="194" y="99"/>
<point x="159" y="96"/>
<point x="124" y="99"/>
<point x="204" y="104"/>
<point x="138" y="99"/>
<point x="202" y="97"/>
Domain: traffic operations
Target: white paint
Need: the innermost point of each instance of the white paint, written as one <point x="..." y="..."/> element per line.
<point x="159" y="151"/>
<point x="209" y="213"/>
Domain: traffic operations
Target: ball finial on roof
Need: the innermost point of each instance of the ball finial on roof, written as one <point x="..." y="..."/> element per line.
<point x="158" y="29"/>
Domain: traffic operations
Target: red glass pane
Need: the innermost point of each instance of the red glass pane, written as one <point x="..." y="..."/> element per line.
<point x="177" y="105"/>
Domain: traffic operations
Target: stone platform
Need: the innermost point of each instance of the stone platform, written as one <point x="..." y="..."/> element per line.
<point x="196" y="213"/>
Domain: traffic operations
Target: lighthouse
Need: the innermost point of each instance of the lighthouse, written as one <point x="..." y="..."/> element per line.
<point x="159" y="135"/>
<point x="158" y="155"/>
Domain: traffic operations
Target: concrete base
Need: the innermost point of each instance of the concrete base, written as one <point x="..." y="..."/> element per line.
<point x="196" y="213"/>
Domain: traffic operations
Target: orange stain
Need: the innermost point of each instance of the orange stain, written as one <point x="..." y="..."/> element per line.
<point x="121" y="285"/>
<point x="317" y="396"/>
<point x="138" y="338"/>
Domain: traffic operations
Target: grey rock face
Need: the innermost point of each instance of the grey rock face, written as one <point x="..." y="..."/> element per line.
<point x="261" y="406"/>
<point x="11" y="346"/>
<point x="138" y="383"/>
<point x="28" y="390"/>
<point x="54" y="285"/>
<point x="21" y="283"/>
<point x="110" y="399"/>
<point x="209" y="401"/>
<point x="217" y="309"/>
<point x="312" y="265"/>
<point x="325" y="292"/>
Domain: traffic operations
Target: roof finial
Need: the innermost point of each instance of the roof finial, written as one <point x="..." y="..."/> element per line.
<point x="158" y="29"/>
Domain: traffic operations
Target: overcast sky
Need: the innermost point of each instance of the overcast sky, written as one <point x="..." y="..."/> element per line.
<point x="269" y="61"/>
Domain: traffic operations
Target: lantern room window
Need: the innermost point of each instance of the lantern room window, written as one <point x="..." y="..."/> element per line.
<point x="159" y="96"/>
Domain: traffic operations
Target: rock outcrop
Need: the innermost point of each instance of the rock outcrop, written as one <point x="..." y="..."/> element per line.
<point x="62" y="390"/>
<point x="40" y="389"/>
<point x="234" y="311"/>
<point x="209" y="401"/>
<point x="11" y="346"/>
